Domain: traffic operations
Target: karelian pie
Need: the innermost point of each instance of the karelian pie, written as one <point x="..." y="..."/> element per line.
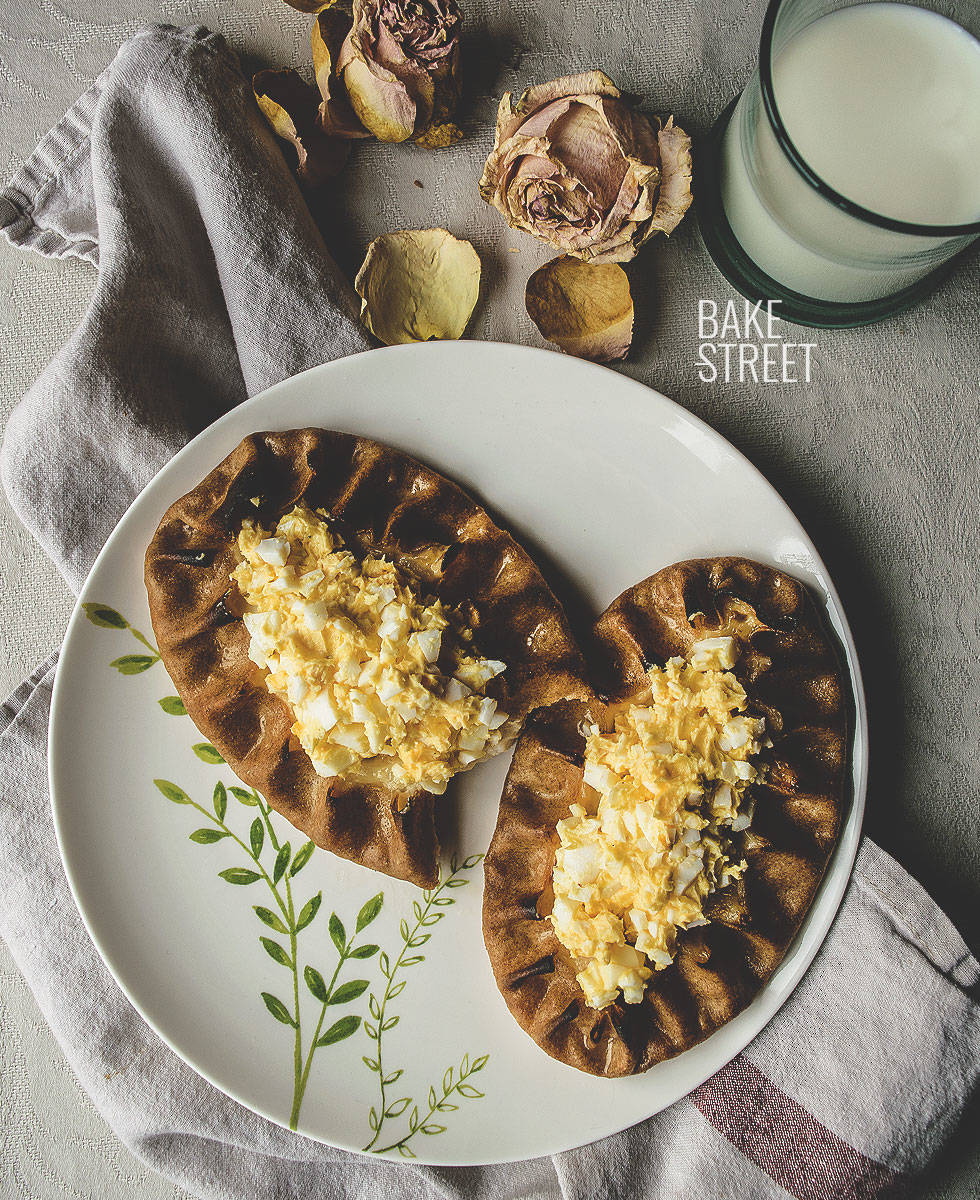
<point x="381" y="504"/>
<point x="787" y="665"/>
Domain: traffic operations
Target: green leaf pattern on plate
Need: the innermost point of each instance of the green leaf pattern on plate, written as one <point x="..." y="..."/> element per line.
<point x="207" y="837"/>
<point x="219" y="799"/>
<point x="105" y="617"/>
<point x="172" y="791"/>
<point x="130" y="664"/>
<point x="303" y="856"/>
<point x="288" y="920"/>
<point x="207" y="753"/>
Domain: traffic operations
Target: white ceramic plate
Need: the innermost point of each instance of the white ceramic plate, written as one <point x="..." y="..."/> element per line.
<point x="606" y="481"/>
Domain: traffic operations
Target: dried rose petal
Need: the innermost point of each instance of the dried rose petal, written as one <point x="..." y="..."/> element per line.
<point x="290" y="106"/>
<point x="337" y="118"/>
<point x="399" y="63"/>
<point x="418" y="284"/>
<point x="309" y="6"/>
<point x="674" y="198"/>
<point x="584" y="308"/>
<point x="576" y="166"/>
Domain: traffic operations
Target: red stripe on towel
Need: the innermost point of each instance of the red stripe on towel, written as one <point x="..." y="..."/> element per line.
<point x="785" y="1140"/>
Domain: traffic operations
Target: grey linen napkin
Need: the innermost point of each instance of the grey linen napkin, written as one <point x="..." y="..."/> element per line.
<point x="214" y="284"/>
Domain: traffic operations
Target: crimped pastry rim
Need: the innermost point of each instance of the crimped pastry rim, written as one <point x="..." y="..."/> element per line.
<point x="537" y="981"/>
<point x="397" y="505"/>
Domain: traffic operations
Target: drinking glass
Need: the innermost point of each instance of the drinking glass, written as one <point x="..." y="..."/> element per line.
<point x="778" y="230"/>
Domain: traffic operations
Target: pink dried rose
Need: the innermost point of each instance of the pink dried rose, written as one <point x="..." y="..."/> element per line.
<point x="578" y="167"/>
<point x="399" y="64"/>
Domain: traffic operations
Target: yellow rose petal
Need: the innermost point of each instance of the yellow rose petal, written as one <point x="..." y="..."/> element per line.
<point x="584" y="308"/>
<point x="417" y="285"/>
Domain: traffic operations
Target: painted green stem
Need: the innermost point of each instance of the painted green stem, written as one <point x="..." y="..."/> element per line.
<point x="146" y="642"/>
<point x="437" y="1103"/>
<point x="412" y="937"/>
<point x="298" y="1040"/>
<point x="384" y="1003"/>
<point x="287" y="908"/>
<point x="319" y="1026"/>
<point x="248" y="850"/>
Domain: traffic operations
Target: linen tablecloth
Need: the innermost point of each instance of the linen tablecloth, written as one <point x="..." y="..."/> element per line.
<point x="126" y="173"/>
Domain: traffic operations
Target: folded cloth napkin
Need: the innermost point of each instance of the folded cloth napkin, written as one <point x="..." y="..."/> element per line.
<point x="213" y="284"/>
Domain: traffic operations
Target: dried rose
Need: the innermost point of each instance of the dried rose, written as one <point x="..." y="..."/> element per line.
<point x="576" y="166"/>
<point x="290" y="106"/>
<point x="418" y="284"/>
<point x="584" y="308"/>
<point x="399" y="64"/>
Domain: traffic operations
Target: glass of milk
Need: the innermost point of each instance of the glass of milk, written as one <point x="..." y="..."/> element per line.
<point x="846" y="177"/>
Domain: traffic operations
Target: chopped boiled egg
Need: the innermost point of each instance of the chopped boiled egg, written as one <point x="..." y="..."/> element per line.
<point x="671" y="778"/>
<point x="355" y="651"/>
<point x="273" y="551"/>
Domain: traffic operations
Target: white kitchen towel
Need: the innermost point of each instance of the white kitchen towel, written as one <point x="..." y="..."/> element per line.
<point x="214" y="284"/>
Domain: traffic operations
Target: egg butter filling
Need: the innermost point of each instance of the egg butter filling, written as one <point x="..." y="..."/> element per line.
<point x="385" y="685"/>
<point x="651" y="841"/>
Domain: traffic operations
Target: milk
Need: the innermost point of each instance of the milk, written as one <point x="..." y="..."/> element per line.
<point x="882" y="100"/>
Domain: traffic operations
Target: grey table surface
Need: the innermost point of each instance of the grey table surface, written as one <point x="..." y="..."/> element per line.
<point x="877" y="455"/>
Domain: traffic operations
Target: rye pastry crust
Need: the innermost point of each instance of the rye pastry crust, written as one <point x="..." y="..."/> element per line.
<point x="384" y="502"/>
<point x="791" y="673"/>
